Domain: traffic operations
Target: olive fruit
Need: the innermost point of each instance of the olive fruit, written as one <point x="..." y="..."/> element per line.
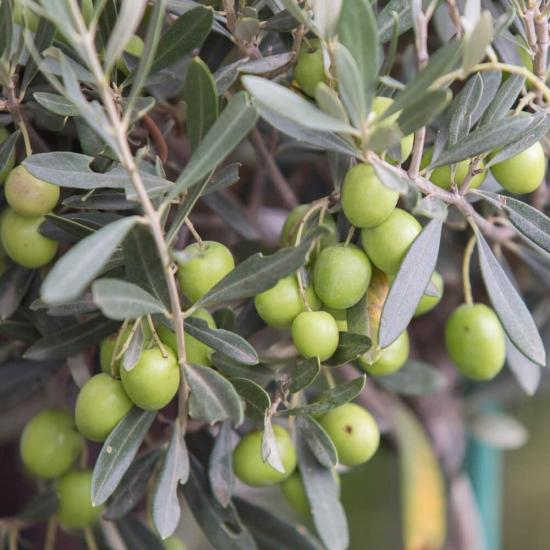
<point x="315" y="334"/>
<point x="101" y="404"/>
<point x="280" y="305"/>
<point x="173" y="543"/>
<point x="387" y="243"/>
<point x="24" y="243"/>
<point x="391" y="358"/>
<point x="50" y="444"/>
<point x="74" y="491"/>
<point x="292" y="223"/>
<point x="475" y="341"/>
<point x="4" y="135"/>
<point x="249" y="466"/>
<point x="522" y="173"/>
<point x="353" y="431"/>
<point x="295" y="494"/>
<point x="378" y="107"/>
<point x="441" y="175"/>
<point x="154" y="380"/>
<point x="29" y="196"/>
<point x="24" y="16"/>
<point x="196" y="352"/>
<point x="201" y="267"/>
<point x="340" y="316"/>
<point x="366" y="201"/>
<point x="134" y="47"/>
<point x="341" y="275"/>
<point x="427" y="303"/>
<point x="310" y="67"/>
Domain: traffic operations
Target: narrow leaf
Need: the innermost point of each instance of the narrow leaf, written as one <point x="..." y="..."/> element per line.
<point x="504" y="99"/>
<point x="410" y="283"/>
<point x="414" y="378"/>
<point x="256" y="399"/>
<point x="228" y="343"/>
<point x="304" y="374"/>
<point x="121" y="300"/>
<point x="236" y="120"/>
<point x="212" y="397"/>
<point x="318" y="441"/>
<point x="258" y="272"/>
<point x="269" y="448"/>
<point x="350" y="346"/>
<point x="220" y="465"/>
<point x="527" y="373"/>
<point x="510" y="308"/>
<point x="80" y="265"/>
<point x="118" y="452"/>
<point x="175" y="470"/>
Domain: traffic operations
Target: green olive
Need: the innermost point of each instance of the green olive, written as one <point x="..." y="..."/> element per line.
<point x="134" y="47"/>
<point x="522" y="173"/>
<point x="50" y="444"/>
<point x="340" y="316"/>
<point x="315" y="334"/>
<point x="379" y="106"/>
<point x="74" y="491"/>
<point x="280" y="305"/>
<point x="391" y="358"/>
<point x="196" y="352"/>
<point x="154" y="380"/>
<point x="173" y="543"/>
<point x="24" y="243"/>
<point x="30" y="196"/>
<point x="441" y="175"/>
<point x="341" y="275"/>
<point x="249" y="466"/>
<point x="25" y="17"/>
<point x="101" y="404"/>
<point x="10" y="163"/>
<point x="292" y="223"/>
<point x="427" y="303"/>
<point x="353" y="431"/>
<point x="475" y="341"/>
<point x="387" y="244"/>
<point x="366" y="201"/>
<point x="310" y="67"/>
<point x="295" y="494"/>
<point x="203" y="267"/>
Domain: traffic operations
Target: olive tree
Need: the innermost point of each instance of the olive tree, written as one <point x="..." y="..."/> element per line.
<point x="241" y="241"/>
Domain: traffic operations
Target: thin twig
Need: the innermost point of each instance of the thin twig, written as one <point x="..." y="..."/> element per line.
<point x="282" y="186"/>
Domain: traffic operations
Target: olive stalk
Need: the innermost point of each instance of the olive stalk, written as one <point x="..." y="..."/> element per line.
<point x="120" y="130"/>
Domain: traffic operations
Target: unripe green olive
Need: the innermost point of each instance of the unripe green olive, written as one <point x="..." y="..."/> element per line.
<point x="353" y="431"/>
<point x="387" y="244"/>
<point x="295" y="494"/>
<point x="22" y="15"/>
<point x="74" y="491"/>
<point x="173" y="543"/>
<point x="315" y="334"/>
<point x="310" y="67"/>
<point x="391" y="358"/>
<point x="4" y="135"/>
<point x="441" y="175"/>
<point x="101" y="404"/>
<point x="366" y="201"/>
<point x="196" y="352"/>
<point x="249" y="466"/>
<point x="381" y="104"/>
<point x="30" y="196"/>
<point x="133" y="47"/>
<point x="154" y="380"/>
<point x="475" y="341"/>
<point x="203" y="267"/>
<point x="292" y="223"/>
<point x="341" y="275"/>
<point x="50" y="444"/>
<point x="280" y="305"/>
<point x="340" y="316"/>
<point x="108" y="345"/>
<point x="24" y="243"/>
<point x="427" y="303"/>
<point x="522" y="173"/>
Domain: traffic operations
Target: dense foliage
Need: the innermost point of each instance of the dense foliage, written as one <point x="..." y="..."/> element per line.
<point x="164" y="334"/>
